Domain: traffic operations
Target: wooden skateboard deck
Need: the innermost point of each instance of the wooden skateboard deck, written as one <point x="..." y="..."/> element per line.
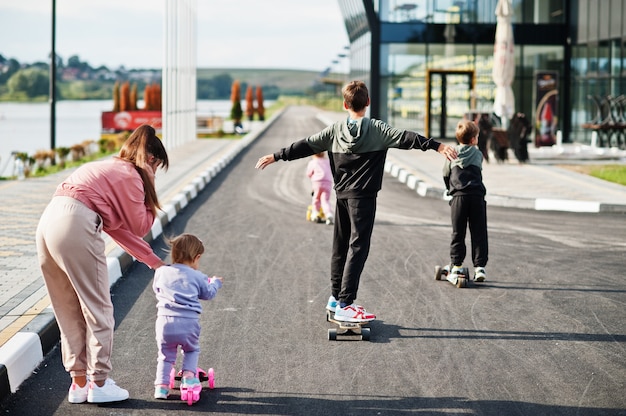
<point x="444" y="272"/>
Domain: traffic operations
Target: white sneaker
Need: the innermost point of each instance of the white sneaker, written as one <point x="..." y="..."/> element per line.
<point x="329" y="220"/>
<point x="455" y="273"/>
<point x="479" y="274"/>
<point x="353" y="313"/>
<point x="109" y="392"/>
<point x="78" y="394"/>
<point x="457" y="270"/>
<point x="161" y="392"/>
<point x="332" y="303"/>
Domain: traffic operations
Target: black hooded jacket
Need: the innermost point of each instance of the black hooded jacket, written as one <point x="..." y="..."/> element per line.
<point x="357" y="150"/>
<point x="463" y="176"/>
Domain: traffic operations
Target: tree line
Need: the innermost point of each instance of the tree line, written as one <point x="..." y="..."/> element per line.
<point x="77" y="80"/>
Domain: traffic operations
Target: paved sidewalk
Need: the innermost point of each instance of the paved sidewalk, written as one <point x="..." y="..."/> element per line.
<point x="27" y="327"/>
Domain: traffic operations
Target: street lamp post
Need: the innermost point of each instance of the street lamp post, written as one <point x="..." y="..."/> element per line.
<point x="53" y="70"/>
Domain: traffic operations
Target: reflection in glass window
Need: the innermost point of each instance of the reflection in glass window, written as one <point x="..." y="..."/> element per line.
<point x="469" y="11"/>
<point x="404" y="81"/>
<point x="603" y="59"/>
<point x="616" y="57"/>
<point x="579" y="61"/>
<point x="541" y="58"/>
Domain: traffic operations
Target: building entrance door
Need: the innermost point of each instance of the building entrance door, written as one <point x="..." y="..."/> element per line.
<point x="448" y="98"/>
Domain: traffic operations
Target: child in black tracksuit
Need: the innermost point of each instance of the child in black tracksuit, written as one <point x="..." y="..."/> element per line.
<point x="464" y="182"/>
<point x="357" y="148"/>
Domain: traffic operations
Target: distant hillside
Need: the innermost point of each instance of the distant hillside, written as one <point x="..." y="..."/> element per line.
<point x="287" y="80"/>
<point x="77" y="80"/>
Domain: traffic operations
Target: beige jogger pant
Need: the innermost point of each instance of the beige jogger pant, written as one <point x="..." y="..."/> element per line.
<point x="73" y="262"/>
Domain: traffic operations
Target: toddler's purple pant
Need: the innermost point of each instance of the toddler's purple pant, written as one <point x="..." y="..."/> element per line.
<point x="170" y="333"/>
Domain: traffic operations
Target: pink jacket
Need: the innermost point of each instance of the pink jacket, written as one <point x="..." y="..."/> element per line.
<point x="114" y="189"/>
<point x="318" y="169"/>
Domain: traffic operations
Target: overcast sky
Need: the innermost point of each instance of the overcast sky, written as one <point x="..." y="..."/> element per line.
<point x="285" y="34"/>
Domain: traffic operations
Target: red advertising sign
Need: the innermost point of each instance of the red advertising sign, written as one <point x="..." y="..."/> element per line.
<point x="130" y="120"/>
<point x="546" y="107"/>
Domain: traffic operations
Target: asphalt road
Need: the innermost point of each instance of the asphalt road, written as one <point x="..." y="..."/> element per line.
<point x="545" y="335"/>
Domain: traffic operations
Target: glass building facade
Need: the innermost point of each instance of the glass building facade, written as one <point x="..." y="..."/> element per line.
<point x="428" y="63"/>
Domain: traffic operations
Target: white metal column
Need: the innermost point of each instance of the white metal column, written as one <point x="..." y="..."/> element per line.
<point x="179" y="72"/>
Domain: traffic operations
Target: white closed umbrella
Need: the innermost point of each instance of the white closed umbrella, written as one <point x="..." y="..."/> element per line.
<point x="504" y="62"/>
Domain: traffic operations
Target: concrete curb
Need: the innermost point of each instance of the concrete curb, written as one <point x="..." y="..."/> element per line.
<point x="537" y="204"/>
<point x="21" y="354"/>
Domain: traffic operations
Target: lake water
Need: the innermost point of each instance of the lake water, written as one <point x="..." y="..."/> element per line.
<point x="25" y="127"/>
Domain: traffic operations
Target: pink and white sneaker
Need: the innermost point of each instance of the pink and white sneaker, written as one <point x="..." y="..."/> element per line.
<point x="78" y="394"/>
<point x="353" y="313"/>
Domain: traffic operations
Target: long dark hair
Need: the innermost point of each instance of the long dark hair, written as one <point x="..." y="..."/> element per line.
<point x="137" y="149"/>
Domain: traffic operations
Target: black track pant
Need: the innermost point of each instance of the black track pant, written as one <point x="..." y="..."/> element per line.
<point x="354" y="221"/>
<point x="470" y="209"/>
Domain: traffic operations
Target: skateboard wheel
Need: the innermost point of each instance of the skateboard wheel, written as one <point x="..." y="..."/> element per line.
<point x="461" y="282"/>
<point x="365" y="334"/>
<point x="437" y="272"/>
<point x="332" y="334"/>
<point x="211" y="378"/>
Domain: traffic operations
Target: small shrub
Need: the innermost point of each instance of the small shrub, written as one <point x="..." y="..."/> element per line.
<point x="78" y="151"/>
<point x="62" y="152"/>
<point x="43" y="158"/>
<point x="90" y="146"/>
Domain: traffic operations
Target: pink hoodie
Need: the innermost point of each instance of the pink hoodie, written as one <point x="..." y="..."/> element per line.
<point x="318" y="169"/>
<point x="114" y="189"/>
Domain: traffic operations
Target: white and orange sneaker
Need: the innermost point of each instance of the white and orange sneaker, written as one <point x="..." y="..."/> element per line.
<point x="353" y="313"/>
